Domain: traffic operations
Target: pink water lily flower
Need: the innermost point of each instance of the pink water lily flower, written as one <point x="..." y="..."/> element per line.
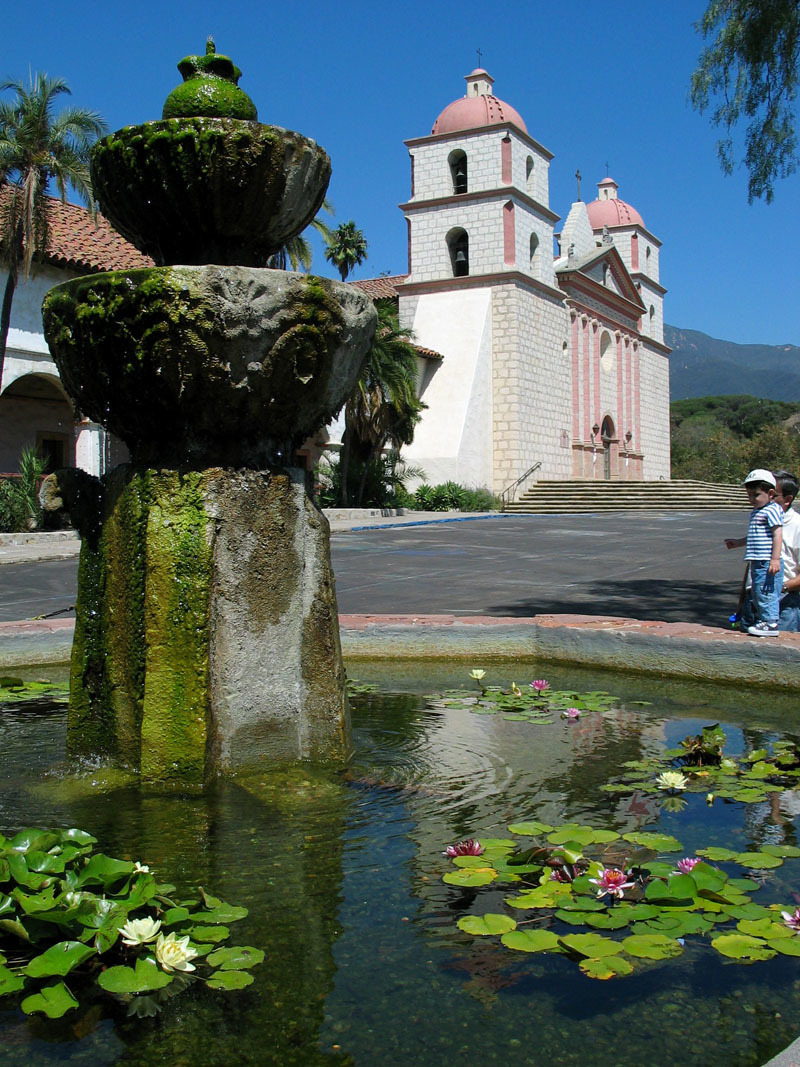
<point x="470" y="846"/>
<point x="571" y="713"/>
<point x="792" y="919"/>
<point x="687" y="864"/>
<point x="539" y="685"/>
<point x="612" y="882"/>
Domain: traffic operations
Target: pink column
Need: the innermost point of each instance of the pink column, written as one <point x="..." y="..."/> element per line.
<point x="576" y="385"/>
<point x="637" y="422"/>
<point x="586" y="361"/>
<point x="621" y="427"/>
<point x="628" y="390"/>
<point x="596" y="361"/>
<point x="509" y="235"/>
<point x="505" y="160"/>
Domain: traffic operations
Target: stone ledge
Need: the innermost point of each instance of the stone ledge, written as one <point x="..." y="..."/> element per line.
<point x="679" y="650"/>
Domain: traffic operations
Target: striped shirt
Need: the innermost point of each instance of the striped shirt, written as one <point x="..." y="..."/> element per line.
<point x="763" y="522"/>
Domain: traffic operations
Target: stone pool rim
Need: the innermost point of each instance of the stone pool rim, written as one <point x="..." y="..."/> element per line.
<point x="679" y="650"/>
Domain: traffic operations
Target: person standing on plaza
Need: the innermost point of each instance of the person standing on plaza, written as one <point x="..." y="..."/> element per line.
<point x="763" y="551"/>
<point x="786" y="488"/>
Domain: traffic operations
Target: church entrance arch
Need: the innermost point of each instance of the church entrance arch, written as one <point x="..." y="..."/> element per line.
<point x="608" y="437"/>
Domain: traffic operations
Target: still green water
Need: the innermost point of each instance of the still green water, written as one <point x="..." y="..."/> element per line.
<point x="342" y="874"/>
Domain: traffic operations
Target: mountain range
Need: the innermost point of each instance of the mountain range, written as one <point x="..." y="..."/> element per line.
<point x="700" y="365"/>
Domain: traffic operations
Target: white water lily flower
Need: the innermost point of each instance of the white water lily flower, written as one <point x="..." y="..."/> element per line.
<point x="174" y="953"/>
<point x="477" y="674"/>
<point x="139" y="931"/>
<point x="672" y="780"/>
<point x="140" y="868"/>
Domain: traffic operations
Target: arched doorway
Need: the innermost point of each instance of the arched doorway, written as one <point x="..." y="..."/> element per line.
<point x="35" y="413"/>
<point x="609" y="437"/>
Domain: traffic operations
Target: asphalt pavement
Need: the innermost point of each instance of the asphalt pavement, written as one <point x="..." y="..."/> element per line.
<point x="668" y="566"/>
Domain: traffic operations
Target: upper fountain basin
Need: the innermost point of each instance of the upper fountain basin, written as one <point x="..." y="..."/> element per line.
<point x="209" y="190"/>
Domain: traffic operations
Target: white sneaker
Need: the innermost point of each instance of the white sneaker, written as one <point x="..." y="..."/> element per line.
<point x="763" y="629"/>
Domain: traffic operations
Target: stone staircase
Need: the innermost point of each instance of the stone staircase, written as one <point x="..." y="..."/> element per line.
<point x="581" y="496"/>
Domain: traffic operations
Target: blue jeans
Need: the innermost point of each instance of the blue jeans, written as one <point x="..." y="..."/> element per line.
<point x="789" y="620"/>
<point x="766" y="591"/>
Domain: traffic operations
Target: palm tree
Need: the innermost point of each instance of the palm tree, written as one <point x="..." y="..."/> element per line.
<point x="296" y="253"/>
<point x="384" y="407"/>
<point x="347" y="248"/>
<point x="37" y="147"/>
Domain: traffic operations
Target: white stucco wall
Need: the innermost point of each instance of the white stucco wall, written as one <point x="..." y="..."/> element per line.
<point x="454" y="439"/>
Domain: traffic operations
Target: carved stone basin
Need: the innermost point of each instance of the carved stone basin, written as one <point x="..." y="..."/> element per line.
<point x="208" y="366"/>
<point x="209" y="190"/>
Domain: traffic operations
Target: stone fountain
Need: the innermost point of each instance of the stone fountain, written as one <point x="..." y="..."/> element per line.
<point x="207" y="634"/>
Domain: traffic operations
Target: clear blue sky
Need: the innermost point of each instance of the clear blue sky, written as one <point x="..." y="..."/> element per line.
<point x="596" y="84"/>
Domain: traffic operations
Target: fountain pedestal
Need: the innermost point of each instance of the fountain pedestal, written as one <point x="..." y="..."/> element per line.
<point x="206" y="634"/>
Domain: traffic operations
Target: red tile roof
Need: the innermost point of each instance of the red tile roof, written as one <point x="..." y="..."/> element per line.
<point x="383" y="288"/>
<point x="81" y="243"/>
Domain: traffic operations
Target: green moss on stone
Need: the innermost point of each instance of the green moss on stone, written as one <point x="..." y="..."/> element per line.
<point x="176" y="699"/>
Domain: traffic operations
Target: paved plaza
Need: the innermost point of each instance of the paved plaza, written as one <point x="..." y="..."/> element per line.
<point x="668" y="566"/>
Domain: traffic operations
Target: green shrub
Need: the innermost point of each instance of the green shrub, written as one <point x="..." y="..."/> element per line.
<point x="450" y="496"/>
<point x="20" y="509"/>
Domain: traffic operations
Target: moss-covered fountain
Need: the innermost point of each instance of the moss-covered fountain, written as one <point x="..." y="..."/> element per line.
<point x="207" y="633"/>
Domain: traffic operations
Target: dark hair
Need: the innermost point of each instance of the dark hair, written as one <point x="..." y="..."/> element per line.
<point x="787" y="483"/>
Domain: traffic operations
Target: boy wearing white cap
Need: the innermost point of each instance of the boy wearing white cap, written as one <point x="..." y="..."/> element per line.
<point x="763" y="551"/>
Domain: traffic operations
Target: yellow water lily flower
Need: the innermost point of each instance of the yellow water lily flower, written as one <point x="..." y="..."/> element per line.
<point x="477" y="674"/>
<point x="174" y="953"/>
<point x="139" y="931"/>
<point x="672" y="780"/>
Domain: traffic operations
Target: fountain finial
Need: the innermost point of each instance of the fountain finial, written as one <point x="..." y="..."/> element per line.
<point x="210" y="89"/>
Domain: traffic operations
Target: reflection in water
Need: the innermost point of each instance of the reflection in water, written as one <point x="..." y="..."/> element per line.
<point x="342" y="876"/>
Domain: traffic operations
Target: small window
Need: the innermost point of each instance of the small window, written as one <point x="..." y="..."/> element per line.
<point x="458" y="170"/>
<point x="534" y="252"/>
<point x="458" y="247"/>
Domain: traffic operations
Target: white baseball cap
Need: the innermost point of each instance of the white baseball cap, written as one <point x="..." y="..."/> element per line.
<point x="761" y="475"/>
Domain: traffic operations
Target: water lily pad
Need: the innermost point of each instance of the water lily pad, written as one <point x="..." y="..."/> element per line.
<point x="481" y="925"/>
<point x="224" y="913"/>
<point x="471" y="876"/>
<point x="659" y="842"/>
<point x="237" y="957"/>
<point x="10" y="982"/>
<point x="549" y="895"/>
<point x="742" y="947"/>
<point x="145" y="977"/>
<point x="606" y="968"/>
<point x="614" y="919"/>
<point x="757" y="861"/>
<point x="717" y="854"/>
<point x="786" y="946"/>
<point x="53" y="1000"/>
<point x="652" y="946"/>
<point x="530" y="940"/>
<point x="532" y="829"/>
<point x="229" y="980"/>
<point x="208" y="933"/>
<point x="766" y="928"/>
<point x="591" y="945"/>
<point x="59" y="959"/>
<point x="786" y="851"/>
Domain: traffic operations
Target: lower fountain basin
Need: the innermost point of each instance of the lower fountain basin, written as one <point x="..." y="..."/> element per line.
<point x="208" y="366"/>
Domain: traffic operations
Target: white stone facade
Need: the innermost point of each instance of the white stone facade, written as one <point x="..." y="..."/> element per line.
<point x="556" y="362"/>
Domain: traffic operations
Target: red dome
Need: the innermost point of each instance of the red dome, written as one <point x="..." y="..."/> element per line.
<point x="470" y="112"/>
<point x="610" y="210"/>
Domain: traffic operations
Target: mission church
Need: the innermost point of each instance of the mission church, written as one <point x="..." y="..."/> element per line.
<point x="527" y="359"/>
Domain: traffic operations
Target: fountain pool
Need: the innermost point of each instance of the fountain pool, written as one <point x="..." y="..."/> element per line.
<point x="342" y="875"/>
